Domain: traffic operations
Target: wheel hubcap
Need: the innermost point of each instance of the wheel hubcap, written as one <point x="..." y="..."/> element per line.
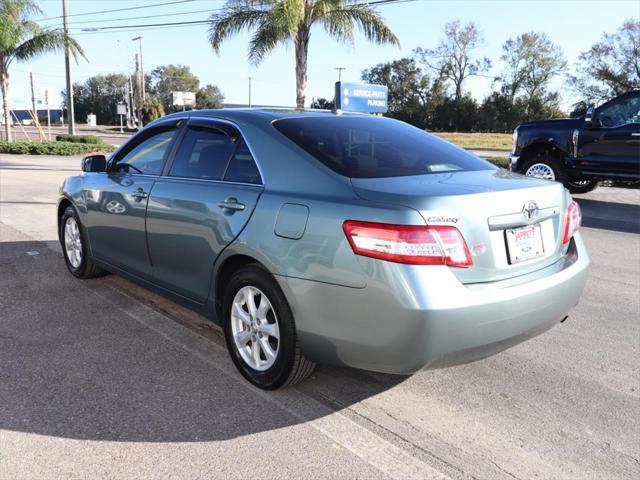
<point x="254" y="327"/>
<point x="73" y="242"/>
<point x="541" y="170"/>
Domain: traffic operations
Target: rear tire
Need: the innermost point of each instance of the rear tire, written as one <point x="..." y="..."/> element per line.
<point x="582" y="186"/>
<point x="544" y="164"/>
<point x="75" y="247"/>
<point x="260" y="331"/>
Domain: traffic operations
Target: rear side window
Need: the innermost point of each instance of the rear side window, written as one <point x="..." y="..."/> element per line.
<point x="203" y="153"/>
<point x="372" y="147"/>
<point x="242" y="167"/>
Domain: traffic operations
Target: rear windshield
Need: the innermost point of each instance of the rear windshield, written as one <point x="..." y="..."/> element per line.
<point x="371" y="147"/>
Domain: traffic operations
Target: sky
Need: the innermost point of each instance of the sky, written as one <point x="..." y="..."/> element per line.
<point x="574" y="25"/>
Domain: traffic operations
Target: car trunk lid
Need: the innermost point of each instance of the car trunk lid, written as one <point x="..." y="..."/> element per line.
<point x="488" y="207"/>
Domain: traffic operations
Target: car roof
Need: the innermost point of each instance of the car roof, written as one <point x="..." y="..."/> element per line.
<point x="258" y="114"/>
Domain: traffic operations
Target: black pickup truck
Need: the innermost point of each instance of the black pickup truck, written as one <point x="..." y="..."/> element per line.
<point x="580" y="152"/>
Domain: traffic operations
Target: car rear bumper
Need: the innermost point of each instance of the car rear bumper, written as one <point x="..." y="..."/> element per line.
<point x="409" y="317"/>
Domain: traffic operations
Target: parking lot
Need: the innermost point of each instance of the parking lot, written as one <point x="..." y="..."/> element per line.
<point x="102" y="378"/>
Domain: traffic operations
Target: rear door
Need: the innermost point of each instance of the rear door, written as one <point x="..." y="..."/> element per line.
<point x="200" y="204"/>
<point x="117" y="199"/>
<point x="612" y="146"/>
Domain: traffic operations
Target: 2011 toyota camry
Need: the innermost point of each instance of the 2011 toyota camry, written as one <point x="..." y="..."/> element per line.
<point x="314" y="237"/>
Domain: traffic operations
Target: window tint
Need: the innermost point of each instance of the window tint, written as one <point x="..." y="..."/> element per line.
<point x="148" y="156"/>
<point x="372" y="147"/>
<point x="623" y="112"/>
<point x="203" y="153"/>
<point x="242" y="167"/>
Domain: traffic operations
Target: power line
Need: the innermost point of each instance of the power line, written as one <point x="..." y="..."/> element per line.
<point x="203" y="22"/>
<point x="134" y="18"/>
<point x="118" y="10"/>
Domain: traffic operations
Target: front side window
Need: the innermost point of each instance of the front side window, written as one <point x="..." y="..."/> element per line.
<point x="371" y="147"/>
<point x="623" y="112"/>
<point x="147" y="157"/>
<point x="204" y="153"/>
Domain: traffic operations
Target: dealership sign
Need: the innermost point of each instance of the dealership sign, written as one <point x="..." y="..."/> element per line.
<point x="361" y="97"/>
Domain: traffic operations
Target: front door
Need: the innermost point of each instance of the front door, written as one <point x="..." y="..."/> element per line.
<point x="117" y="201"/>
<point x="612" y="146"/>
<point x="200" y="206"/>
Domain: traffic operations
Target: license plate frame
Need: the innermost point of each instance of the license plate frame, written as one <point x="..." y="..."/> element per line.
<point x="524" y="243"/>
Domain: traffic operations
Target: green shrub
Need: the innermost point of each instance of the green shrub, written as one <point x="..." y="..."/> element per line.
<point x="92" y="139"/>
<point x="52" y="148"/>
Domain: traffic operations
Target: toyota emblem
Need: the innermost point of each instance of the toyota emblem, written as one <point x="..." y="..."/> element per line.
<point x="530" y="209"/>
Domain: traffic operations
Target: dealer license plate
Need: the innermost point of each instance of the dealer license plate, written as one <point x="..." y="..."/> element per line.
<point x="524" y="243"/>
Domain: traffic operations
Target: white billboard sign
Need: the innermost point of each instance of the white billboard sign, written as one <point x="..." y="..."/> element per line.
<point x="183" y="99"/>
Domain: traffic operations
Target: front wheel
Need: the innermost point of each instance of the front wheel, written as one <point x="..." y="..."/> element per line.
<point x="75" y="248"/>
<point x="260" y="331"/>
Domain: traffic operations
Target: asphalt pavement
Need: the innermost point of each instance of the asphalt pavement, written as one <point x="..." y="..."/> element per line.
<point x="103" y="379"/>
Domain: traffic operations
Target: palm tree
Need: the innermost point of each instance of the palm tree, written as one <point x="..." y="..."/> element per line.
<point x="280" y="21"/>
<point x="22" y="39"/>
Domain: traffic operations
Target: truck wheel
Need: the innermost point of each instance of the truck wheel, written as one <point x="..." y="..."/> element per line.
<point x="581" y="186"/>
<point x="545" y="165"/>
<point x="260" y="331"/>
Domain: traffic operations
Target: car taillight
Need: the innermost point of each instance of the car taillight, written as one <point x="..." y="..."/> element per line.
<point x="572" y="221"/>
<point x="416" y="245"/>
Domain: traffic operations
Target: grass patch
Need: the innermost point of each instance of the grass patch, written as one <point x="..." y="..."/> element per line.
<point x="478" y="141"/>
<point x="93" y="139"/>
<point x="53" y="148"/>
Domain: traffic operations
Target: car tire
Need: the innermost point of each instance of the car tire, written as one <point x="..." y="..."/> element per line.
<point x="260" y="330"/>
<point x="75" y="247"/>
<point x="581" y="186"/>
<point x="544" y="164"/>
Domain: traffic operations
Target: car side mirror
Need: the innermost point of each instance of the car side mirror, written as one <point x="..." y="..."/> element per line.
<point x="94" y="163"/>
<point x="588" y="117"/>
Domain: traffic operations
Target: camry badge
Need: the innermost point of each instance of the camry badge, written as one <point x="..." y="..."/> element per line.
<point x="530" y="209"/>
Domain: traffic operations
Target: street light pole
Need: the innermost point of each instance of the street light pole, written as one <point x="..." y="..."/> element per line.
<point x="249" y="92"/>
<point x="67" y="67"/>
<point x="340" y="69"/>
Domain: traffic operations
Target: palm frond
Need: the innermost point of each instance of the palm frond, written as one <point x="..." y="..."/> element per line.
<point x="267" y="37"/>
<point x="368" y="20"/>
<point x="47" y="41"/>
<point x="237" y="16"/>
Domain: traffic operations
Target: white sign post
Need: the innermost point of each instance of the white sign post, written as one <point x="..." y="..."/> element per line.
<point x="121" y="109"/>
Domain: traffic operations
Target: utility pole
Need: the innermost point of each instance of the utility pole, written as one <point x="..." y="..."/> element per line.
<point x="71" y="120"/>
<point x="138" y="93"/>
<point x="340" y="69"/>
<point x="249" y="92"/>
<point x="142" y="87"/>
<point x="46" y="100"/>
<point x="141" y="68"/>
<point x="34" y="110"/>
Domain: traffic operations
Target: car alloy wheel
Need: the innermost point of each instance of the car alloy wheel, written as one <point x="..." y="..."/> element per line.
<point x="541" y="170"/>
<point x="73" y="242"/>
<point x="255" y="330"/>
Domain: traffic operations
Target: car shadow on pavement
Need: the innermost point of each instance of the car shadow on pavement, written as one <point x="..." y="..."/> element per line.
<point x="102" y="360"/>
<point x="619" y="217"/>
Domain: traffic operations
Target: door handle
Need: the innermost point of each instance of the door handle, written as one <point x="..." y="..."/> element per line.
<point x="139" y="194"/>
<point x="635" y="134"/>
<point x="231" y="203"/>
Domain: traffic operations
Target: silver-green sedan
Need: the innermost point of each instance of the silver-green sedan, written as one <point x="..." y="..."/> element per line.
<point x="314" y="237"/>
